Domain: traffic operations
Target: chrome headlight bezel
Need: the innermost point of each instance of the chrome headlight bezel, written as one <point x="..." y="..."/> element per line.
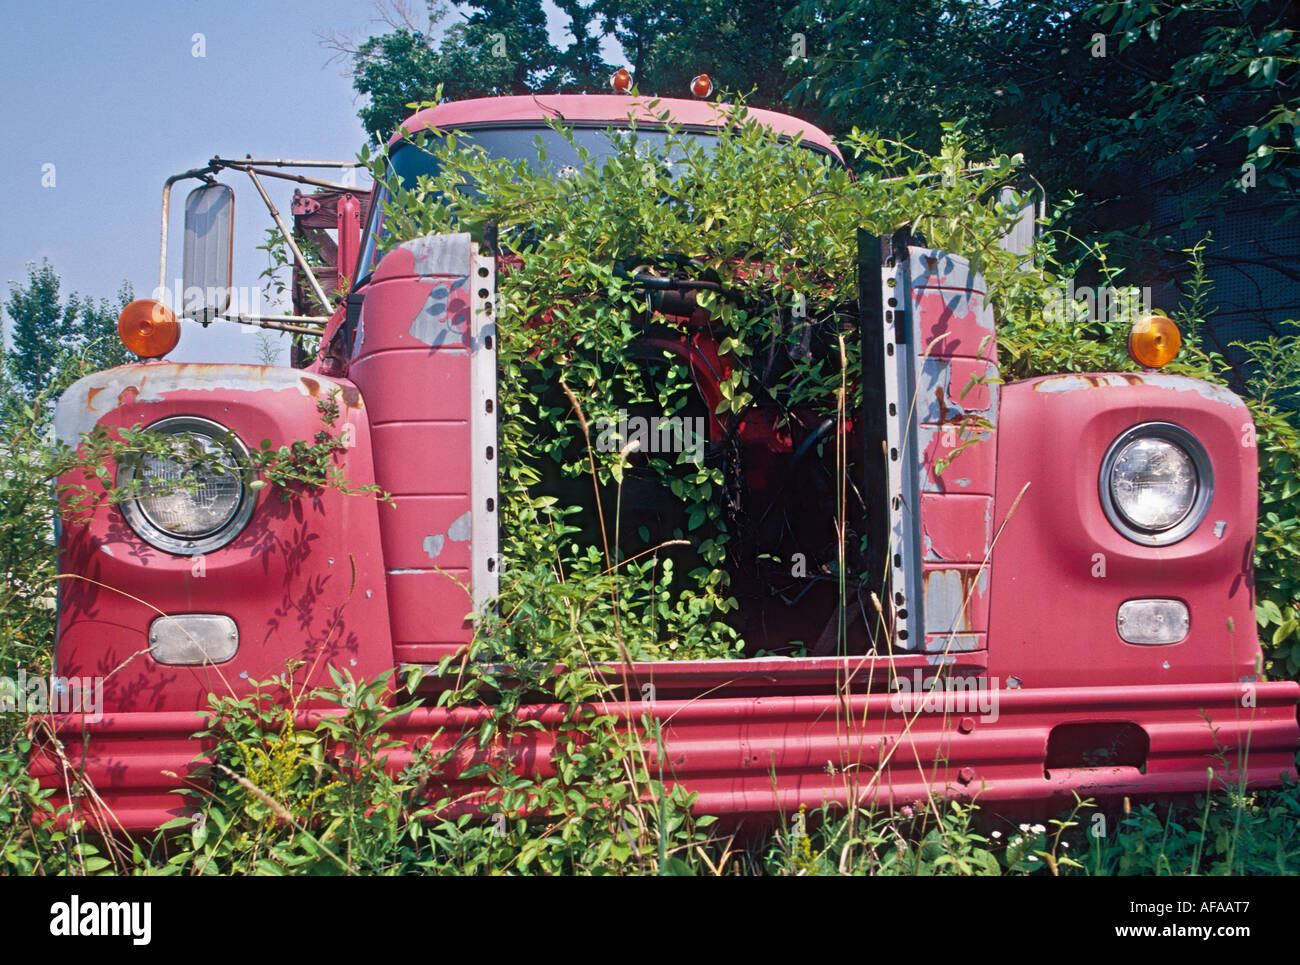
<point x="179" y="545"/>
<point x="1200" y="504"/>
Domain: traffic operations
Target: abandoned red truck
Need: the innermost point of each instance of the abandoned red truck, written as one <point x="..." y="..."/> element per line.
<point x="1130" y="681"/>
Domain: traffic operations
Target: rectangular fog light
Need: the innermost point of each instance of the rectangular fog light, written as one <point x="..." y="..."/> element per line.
<point x="1152" y="621"/>
<point x="190" y="639"/>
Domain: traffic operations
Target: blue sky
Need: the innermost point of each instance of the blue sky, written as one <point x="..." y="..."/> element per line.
<point x="113" y="96"/>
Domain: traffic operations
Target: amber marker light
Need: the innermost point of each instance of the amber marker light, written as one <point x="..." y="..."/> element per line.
<point x="1154" y="341"/>
<point x="148" y="328"/>
<point x="701" y="85"/>
<point x="621" y="80"/>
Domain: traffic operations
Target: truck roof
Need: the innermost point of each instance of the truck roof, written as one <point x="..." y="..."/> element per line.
<point x="600" y="109"/>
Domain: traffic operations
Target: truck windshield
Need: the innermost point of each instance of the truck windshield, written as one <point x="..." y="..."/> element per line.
<point x="520" y="143"/>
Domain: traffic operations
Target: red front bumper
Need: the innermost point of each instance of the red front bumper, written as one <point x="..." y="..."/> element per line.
<point x="761" y="755"/>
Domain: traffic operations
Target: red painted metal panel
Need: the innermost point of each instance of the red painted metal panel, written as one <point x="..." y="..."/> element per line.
<point x="1060" y="568"/>
<point x="605" y="109"/>
<point x="422" y="458"/>
<point x="966" y="468"/>
<point x="412" y="360"/>
<point x="430" y="610"/>
<point x="956" y="527"/>
<point x="959" y="320"/>
<point x="415" y="382"/>
<point x="956" y="411"/>
<point x="303" y="580"/>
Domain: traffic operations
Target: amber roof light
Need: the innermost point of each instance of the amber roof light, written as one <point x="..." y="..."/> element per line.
<point x="621" y="80"/>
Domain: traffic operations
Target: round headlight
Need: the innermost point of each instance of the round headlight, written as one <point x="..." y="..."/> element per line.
<point x="1156" y="483"/>
<point x="193" y="498"/>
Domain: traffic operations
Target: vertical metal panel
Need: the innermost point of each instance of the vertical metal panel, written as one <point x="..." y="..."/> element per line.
<point x="484" y="548"/>
<point x="900" y="366"/>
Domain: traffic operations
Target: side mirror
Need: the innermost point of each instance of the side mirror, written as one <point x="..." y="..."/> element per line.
<point x="209" y="252"/>
<point x="1026" y="229"/>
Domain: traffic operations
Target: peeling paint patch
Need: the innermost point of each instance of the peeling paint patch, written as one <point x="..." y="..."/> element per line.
<point x="442" y="319"/>
<point x="944" y="595"/>
<point x="953" y="643"/>
<point x="405" y="572"/>
<point x="932" y="393"/>
<point x="934" y="268"/>
<point x="89" y="399"/>
<point x="440" y="254"/>
<point x="432" y="545"/>
<point x="951" y="597"/>
<point x="1181" y="383"/>
<point x="104" y="548"/>
<point x="1175" y="383"/>
<point x="459" y="531"/>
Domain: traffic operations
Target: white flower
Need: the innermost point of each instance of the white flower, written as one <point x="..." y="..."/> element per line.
<point x="1038" y="829"/>
<point x="997" y="834"/>
<point x="1033" y="857"/>
<point x="1024" y="827"/>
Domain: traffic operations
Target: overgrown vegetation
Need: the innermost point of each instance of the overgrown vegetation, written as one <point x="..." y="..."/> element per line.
<point x="298" y="783"/>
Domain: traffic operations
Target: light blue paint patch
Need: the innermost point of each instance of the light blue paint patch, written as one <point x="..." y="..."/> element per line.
<point x="459" y="531"/>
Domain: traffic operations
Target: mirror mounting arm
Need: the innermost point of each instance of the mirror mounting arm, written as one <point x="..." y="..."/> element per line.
<point x="319" y="292"/>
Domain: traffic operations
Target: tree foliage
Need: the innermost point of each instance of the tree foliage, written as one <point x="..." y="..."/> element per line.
<point x="1098" y="97"/>
<point x="503" y="47"/>
<point x="47" y="331"/>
